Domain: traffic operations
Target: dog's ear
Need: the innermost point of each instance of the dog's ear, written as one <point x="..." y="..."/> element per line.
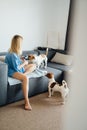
<point x="31" y="57"/>
<point x="49" y="75"/>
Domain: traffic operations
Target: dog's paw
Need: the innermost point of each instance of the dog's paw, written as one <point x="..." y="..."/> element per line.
<point x="49" y="96"/>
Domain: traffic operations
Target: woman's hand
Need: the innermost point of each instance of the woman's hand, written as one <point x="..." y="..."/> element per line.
<point x="25" y="62"/>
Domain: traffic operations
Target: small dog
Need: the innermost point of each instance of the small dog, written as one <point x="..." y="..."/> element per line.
<point x="41" y="60"/>
<point x="54" y="86"/>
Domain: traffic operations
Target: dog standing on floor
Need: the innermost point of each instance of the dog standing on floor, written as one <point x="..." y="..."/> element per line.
<point x="41" y="60"/>
<point x="54" y="86"/>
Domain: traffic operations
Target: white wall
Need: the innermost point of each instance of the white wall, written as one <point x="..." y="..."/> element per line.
<point x="32" y="19"/>
<point x="76" y="111"/>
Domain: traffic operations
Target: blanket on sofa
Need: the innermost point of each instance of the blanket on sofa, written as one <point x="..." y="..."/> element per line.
<point x="35" y="74"/>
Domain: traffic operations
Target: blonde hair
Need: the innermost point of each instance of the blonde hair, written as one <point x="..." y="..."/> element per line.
<point x="16" y="45"/>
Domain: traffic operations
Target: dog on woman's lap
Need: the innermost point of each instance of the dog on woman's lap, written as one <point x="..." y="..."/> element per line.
<point x="54" y="86"/>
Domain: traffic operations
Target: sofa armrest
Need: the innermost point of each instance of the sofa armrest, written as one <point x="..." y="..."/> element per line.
<point x="3" y="83"/>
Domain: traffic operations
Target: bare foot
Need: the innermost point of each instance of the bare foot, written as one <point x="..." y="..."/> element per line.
<point x="28" y="106"/>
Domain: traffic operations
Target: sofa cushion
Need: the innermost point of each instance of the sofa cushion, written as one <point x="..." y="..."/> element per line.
<point x="58" y="66"/>
<point x="62" y="59"/>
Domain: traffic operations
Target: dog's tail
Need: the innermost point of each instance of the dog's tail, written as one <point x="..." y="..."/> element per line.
<point x="47" y="51"/>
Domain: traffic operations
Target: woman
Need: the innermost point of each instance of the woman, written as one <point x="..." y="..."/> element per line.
<point x="18" y="68"/>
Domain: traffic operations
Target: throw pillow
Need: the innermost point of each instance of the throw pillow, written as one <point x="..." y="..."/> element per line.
<point x="62" y="59"/>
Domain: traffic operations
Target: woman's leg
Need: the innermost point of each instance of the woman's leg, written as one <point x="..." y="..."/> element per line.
<point x="25" y="83"/>
<point x="29" y="68"/>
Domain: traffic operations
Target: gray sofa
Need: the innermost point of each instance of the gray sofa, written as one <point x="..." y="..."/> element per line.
<point x="12" y="91"/>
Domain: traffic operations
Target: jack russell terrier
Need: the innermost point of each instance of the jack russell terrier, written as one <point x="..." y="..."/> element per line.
<point x="40" y="61"/>
<point x="54" y="86"/>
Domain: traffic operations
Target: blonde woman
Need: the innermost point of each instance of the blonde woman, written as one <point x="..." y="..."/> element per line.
<point x="18" y="68"/>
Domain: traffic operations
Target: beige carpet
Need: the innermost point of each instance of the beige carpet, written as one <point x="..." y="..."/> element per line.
<point x="46" y="114"/>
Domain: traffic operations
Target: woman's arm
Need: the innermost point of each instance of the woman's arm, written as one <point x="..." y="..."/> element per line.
<point x="16" y="63"/>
